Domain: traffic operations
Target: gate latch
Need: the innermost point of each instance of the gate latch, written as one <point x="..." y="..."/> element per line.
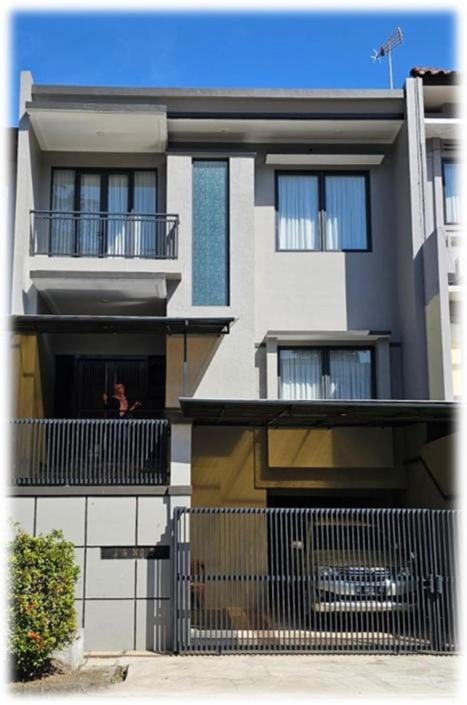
<point x="434" y="584"/>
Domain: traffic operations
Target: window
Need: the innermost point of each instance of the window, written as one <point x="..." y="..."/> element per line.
<point x="322" y="211"/>
<point x="210" y="233"/>
<point x="92" y="192"/>
<point x="452" y="197"/>
<point x="326" y="373"/>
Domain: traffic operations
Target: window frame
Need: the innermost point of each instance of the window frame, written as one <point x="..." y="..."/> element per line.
<point x="321" y="176"/>
<point x="325" y="351"/>
<point x="104" y="172"/>
<point x="444" y="161"/>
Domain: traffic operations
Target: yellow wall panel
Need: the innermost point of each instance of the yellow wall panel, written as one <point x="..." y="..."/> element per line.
<point x="330" y="448"/>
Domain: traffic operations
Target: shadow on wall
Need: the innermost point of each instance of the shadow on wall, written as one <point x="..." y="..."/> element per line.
<point x="223" y="468"/>
<point x="200" y="352"/>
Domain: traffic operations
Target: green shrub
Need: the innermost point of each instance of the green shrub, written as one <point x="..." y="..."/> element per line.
<point x="42" y="614"/>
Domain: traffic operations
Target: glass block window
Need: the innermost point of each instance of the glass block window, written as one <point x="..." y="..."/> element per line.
<point x="210" y="233"/>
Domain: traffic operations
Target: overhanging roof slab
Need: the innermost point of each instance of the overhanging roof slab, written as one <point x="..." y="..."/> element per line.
<point x="46" y="323"/>
<point x="99" y="127"/>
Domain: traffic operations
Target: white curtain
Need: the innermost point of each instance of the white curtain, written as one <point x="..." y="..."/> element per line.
<point x="345" y="213"/>
<point x="117" y="225"/>
<point x="89" y="225"/>
<point x="62" y="227"/>
<point x="452" y="196"/>
<point x="301" y="374"/>
<point x="146" y="242"/>
<point x="350" y="374"/>
<point x="298" y="212"/>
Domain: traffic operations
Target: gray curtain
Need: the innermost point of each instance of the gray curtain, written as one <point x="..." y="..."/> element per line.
<point x="350" y="374"/>
<point x="345" y="213"/>
<point x="117" y="224"/>
<point x="298" y="220"/>
<point x="62" y="226"/>
<point x="301" y="374"/>
<point x="145" y="229"/>
<point x="89" y="224"/>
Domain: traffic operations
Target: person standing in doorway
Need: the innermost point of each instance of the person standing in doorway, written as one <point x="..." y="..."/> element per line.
<point x="118" y="406"/>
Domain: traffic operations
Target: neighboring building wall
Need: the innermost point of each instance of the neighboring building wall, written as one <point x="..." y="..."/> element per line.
<point x="408" y="239"/>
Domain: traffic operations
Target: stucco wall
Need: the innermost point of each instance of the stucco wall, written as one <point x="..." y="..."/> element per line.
<point x="231" y="371"/>
<point x="322" y="291"/>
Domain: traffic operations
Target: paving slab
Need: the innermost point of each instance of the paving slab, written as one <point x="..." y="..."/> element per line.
<point x="298" y="675"/>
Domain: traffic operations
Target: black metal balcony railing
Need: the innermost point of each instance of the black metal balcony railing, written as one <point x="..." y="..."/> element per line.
<point x="90" y="451"/>
<point x="82" y="234"/>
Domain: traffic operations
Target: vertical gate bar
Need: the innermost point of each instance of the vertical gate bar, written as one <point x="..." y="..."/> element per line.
<point x="283" y="576"/>
<point x="290" y="590"/>
<point x="318" y="545"/>
<point x="446" y="581"/>
<point x="174" y="558"/>
<point x="434" y="572"/>
<point x="370" y="576"/>
<point x="405" y="600"/>
<point x="369" y="580"/>
<point x="272" y="571"/>
<point x="453" y="521"/>
<point x="335" y="549"/>
<point x="416" y="578"/>
<point x="297" y="585"/>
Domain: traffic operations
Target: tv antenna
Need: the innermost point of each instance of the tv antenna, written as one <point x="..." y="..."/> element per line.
<point x="394" y="40"/>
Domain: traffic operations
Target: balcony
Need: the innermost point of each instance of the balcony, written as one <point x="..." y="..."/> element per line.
<point x="91" y="234"/>
<point x="54" y="452"/>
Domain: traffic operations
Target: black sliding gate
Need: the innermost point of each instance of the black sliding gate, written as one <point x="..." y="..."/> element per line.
<point x="317" y="580"/>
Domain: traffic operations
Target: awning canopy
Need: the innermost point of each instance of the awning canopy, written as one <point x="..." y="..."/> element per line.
<point x="46" y="323"/>
<point x="277" y="413"/>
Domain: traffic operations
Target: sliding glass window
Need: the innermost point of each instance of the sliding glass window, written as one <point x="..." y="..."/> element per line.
<point x="210" y="250"/>
<point x="452" y="195"/>
<point x="323" y="211"/>
<point x="104" y="212"/>
<point x="326" y="373"/>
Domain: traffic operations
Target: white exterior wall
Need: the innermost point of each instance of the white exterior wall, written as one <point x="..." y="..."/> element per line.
<point x="231" y="371"/>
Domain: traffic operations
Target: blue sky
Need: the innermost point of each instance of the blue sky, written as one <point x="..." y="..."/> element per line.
<point x="300" y="50"/>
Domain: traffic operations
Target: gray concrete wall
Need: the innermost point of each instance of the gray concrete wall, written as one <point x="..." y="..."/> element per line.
<point x="231" y="370"/>
<point x="320" y="291"/>
<point x="122" y="603"/>
<point x="409" y="268"/>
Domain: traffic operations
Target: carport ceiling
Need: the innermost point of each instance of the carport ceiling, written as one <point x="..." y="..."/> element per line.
<point x="276" y="413"/>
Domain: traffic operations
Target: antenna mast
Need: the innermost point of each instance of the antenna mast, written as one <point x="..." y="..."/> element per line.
<point x="395" y="39"/>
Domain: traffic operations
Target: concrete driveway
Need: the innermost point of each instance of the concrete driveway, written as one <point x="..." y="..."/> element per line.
<point x="207" y="677"/>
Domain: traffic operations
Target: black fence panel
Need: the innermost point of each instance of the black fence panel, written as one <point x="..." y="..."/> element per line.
<point x="316" y="580"/>
<point x="90" y="451"/>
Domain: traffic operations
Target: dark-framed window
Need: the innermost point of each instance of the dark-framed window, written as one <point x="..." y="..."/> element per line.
<point x="451" y="192"/>
<point x="323" y="211"/>
<point x="326" y="372"/>
<point x="210" y="246"/>
<point x="91" y="209"/>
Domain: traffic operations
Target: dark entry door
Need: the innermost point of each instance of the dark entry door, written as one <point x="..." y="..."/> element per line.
<point x="81" y="381"/>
